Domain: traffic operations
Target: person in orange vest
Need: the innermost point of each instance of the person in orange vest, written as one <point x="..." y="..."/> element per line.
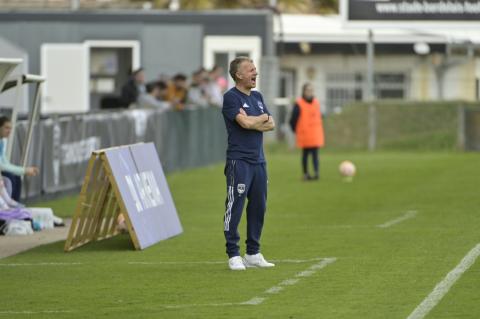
<point x="306" y="122"/>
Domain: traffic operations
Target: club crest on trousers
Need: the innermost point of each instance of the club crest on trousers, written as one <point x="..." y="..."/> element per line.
<point x="240" y="189"/>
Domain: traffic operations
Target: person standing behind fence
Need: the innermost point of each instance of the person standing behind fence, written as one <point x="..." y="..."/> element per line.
<point x="134" y="87"/>
<point x="178" y="91"/>
<point x="10" y="171"/>
<point x="153" y="99"/>
<point x="306" y="122"/>
<point x="216" y="73"/>
<point x="197" y="96"/>
<point x="214" y="88"/>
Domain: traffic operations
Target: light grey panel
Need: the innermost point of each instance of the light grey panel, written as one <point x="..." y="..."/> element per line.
<point x="170" y="49"/>
<point x="144" y="190"/>
<point x="10" y="50"/>
<point x="110" y="31"/>
<point x="30" y="36"/>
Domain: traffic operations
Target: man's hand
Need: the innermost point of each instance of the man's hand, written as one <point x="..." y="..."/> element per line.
<point x="268" y="125"/>
<point x="31" y="171"/>
<point x="250" y="122"/>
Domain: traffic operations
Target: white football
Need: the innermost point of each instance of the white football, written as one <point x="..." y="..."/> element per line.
<point x="347" y="169"/>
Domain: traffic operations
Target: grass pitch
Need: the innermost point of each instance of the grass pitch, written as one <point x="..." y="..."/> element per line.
<point x="377" y="272"/>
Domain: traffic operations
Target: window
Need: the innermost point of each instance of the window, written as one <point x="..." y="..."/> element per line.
<point x="220" y="50"/>
<point x="287" y="83"/>
<point x="391" y="86"/>
<point x="343" y="88"/>
<point x="95" y="68"/>
<point x="223" y="59"/>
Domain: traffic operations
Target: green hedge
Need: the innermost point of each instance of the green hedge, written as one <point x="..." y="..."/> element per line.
<point x="400" y="125"/>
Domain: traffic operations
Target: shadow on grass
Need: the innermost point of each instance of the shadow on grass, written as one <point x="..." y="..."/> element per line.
<point x="120" y="243"/>
<point x="117" y="243"/>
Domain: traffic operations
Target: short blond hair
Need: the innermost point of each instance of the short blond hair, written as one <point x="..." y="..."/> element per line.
<point x="235" y="64"/>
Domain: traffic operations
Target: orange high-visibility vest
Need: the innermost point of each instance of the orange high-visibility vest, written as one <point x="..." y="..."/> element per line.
<point x="309" y="129"/>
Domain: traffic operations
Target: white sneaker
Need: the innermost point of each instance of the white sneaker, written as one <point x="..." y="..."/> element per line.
<point x="236" y="263"/>
<point x="256" y="260"/>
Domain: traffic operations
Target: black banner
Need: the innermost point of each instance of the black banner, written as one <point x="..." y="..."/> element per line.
<point x="407" y="10"/>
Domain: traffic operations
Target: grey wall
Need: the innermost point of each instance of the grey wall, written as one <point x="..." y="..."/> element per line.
<point x="171" y="49"/>
<point x="164" y="48"/>
<point x="7" y="98"/>
<point x="218" y="22"/>
<point x="171" y="42"/>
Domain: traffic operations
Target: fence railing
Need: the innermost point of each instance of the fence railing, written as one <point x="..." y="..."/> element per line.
<point x="405" y="126"/>
<point x="397" y="126"/>
<point x="62" y="145"/>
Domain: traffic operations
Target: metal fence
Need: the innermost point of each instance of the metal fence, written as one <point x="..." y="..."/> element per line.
<point x="470" y="129"/>
<point x="62" y="145"/>
<point x="391" y="125"/>
<point x="405" y="126"/>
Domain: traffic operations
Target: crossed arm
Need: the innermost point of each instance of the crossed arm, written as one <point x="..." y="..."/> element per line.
<point x="262" y="123"/>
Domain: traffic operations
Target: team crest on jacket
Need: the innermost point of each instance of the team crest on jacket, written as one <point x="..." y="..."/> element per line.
<point x="241" y="188"/>
<point x="260" y="106"/>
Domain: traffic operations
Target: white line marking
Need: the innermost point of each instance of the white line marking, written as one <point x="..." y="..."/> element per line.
<point x="282" y="261"/>
<point x="274" y="290"/>
<point x="201" y="305"/>
<point x="39" y="264"/>
<point x="254" y="301"/>
<point x="176" y="262"/>
<point x="407" y="215"/>
<point x="296" y="261"/>
<point x="206" y="262"/>
<point x="306" y="273"/>
<point x="444" y="286"/>
<point x="28" y="312"/>
<point x="290" y="282"/>
<point x="320" y="263"/>
<point x="343" y="226"/>
<point x="323" y="264"/>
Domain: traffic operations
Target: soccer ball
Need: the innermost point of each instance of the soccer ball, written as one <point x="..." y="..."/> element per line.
<point x="347" y="169"/>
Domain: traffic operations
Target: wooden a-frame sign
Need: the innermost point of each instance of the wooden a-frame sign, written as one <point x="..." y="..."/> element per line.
<point x="129" y="182"/>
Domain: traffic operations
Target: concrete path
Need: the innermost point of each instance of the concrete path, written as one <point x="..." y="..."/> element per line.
<point x="12" y="245"/>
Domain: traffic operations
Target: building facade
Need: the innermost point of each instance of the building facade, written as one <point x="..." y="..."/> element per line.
<point x="423" y="62"/>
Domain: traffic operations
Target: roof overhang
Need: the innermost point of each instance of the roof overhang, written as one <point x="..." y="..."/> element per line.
<point x="332" y="29"/>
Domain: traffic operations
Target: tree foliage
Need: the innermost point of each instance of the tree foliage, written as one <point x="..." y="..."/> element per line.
<point x="284" y="6"/>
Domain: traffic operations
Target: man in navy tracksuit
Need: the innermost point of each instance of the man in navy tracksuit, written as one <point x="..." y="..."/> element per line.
<point x="246" y="118"/>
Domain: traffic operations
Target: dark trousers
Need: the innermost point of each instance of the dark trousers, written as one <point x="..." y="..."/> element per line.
<point x="244" y="181"/>
<point x="16" y="184"/>
<point x="313" y="151"/>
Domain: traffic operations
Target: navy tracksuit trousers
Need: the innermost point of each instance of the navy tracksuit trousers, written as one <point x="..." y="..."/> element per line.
<point x="244" y="181"/>
<point x="16" y="185"/>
